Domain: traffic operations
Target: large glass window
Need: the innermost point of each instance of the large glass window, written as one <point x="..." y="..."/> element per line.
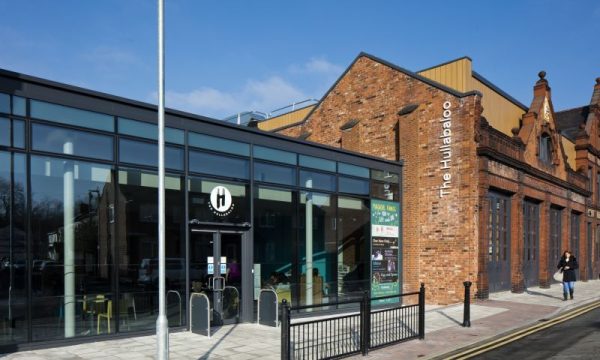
<point x="72" y="142"/>
<point x="218" y="144"/>
<point x="353" y="186"/>
<point x="19" y="106"/>
<point x="149" y="131"/>
<point x="204" y="201"/>
<point x="71" y="116"/>
<point x="275" y="228"/>
<point x="18" y="129"/>
<point x="72" y="234"/>
<point x="354" y="219"/>
<point x="274" y="174"/>
<point x="13" y="250"/>
<point x="4" y="103"/>
<point x="138" y="248"/>
<point x="219" y="165"/>
<point x="317" y="180"/>
<point x="265" y="153"/>
<point x="317" y="248"/>
<point x="317" y="163"/>
<point x="143" y="153"/>
<point x="4" y="131"/>
<point x="353" y="170"/>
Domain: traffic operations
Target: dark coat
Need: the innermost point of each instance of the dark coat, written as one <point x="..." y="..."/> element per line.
<point x="569" y="274"/>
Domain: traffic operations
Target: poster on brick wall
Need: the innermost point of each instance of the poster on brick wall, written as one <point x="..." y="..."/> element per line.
<point x="385" y="232"/>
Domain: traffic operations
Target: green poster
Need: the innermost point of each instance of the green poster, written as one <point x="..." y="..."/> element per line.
<point x="385" y="233"/>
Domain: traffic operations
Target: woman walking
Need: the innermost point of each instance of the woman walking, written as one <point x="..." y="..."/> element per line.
<point x="568" y="265"/>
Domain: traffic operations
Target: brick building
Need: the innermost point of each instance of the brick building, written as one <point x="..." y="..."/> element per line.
<point x="493" y="190"/>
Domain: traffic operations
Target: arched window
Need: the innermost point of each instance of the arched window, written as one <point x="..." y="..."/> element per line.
<point x="546" y="149"/>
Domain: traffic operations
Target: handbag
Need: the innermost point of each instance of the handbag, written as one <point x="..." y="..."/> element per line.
<point x="558" y="275"/>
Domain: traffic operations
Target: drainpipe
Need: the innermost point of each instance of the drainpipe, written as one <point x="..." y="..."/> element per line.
<point x="309" y="244"/>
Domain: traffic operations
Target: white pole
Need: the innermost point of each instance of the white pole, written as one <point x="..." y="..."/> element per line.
<point x="162" y="324"/>
<point x="69" y="241"/>
<point x="309" y="244"/>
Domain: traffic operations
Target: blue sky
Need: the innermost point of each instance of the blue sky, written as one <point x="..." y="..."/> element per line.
<point x="229" y="56"/>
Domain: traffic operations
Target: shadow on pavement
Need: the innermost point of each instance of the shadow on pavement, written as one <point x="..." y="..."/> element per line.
<point x="209" y="351"/>
<point x="535" y="293"/>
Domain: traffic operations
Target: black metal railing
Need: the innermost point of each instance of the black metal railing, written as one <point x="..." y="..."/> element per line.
<point x="354" y="331"/>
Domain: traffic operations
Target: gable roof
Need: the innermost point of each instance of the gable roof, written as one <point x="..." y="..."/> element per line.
<point x="568" y="122"/>
<point x="390" y="65"/>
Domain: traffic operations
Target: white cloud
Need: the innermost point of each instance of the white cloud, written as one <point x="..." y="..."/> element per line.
<point x="317" y="66"/>
<point x="108" y="56"/>
<point x="259" y="95"/>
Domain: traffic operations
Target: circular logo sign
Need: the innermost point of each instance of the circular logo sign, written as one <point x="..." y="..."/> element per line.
<point x="220" y="201"/>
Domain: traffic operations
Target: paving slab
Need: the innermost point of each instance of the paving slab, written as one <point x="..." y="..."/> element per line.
<point x="503" y="312"/>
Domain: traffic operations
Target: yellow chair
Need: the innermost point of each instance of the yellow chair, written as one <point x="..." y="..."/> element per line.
<point x="107" y="314"/>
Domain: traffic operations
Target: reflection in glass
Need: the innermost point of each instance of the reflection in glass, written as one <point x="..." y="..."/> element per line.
<point x="218" y="144"/>
<point x="55" y="139"/>
<point x="385" y="190"/>
<point x="275" y="230"/>
<point x="353" y="186"/>
<point x="265" y="153"/>
<point x="149" y="131"/>
<point x="4" y="131"/>
<point x="317" y="248"/>
<point x="353" y="246"/>
<point x="138" y="248"/>
<point x="274" y="174"/>
<point x="317" y="163"/>
<point x="219" y="165"/>
<point x="72" y="235"/>
<point x="353" y="170"/>
<point x="4" y="103"/>
<point x="18" y="133"/>
<point x="13" y="251"/>
<point x="19" y="106"/>
<point x="71" y="116"/>
<point x="143" y="153"/>
<point x="317" y="180"/>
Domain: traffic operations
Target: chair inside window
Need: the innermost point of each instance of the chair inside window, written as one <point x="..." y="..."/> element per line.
<point x="127" y="308"/>
<point x="103" y="311"/>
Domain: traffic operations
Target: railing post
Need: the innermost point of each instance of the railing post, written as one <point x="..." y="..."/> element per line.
<point x="467" y="309"/>
<point x="422" y="312"/>
<point x="365" y="331"/>
<point x="285" y="330"/>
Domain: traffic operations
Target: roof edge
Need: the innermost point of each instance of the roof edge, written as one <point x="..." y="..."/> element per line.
<point x="500" y="92"/>
<point x="446" y="63"/>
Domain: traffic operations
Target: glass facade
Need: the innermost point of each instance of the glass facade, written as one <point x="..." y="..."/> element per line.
<point x="79" y="220"/>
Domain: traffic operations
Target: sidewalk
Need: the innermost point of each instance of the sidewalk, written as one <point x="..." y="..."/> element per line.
<point x="504" y="312"/>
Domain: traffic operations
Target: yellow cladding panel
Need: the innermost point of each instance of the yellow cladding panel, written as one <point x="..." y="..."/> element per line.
<point x="285" y="119"/>
<point x="569" y="148"/>
<point x="454" y="75"/>
<point x="501" y="113"/>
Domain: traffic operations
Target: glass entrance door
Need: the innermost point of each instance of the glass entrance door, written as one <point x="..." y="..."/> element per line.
<point x="216" y="270"/>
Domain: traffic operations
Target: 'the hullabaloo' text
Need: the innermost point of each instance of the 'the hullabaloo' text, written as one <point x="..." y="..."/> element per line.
<point x="446" y="149"/>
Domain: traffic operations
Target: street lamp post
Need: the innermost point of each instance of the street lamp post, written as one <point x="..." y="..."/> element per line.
<point x="162" y="324"/>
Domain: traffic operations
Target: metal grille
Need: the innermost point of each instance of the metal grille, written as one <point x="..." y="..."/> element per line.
<point x="390" y="326"/>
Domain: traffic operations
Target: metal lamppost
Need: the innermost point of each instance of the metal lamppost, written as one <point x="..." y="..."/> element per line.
<point x="162" y="324"/>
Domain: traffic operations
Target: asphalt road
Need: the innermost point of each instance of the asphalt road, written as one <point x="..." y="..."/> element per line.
<point x="578" y="338"/>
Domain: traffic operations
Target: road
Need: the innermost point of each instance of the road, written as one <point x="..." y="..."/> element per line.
<point x="578" y="338"/>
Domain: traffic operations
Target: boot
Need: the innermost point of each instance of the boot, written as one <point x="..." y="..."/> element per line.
<point x="571" y="293"/>
<point x="564" y="296"/>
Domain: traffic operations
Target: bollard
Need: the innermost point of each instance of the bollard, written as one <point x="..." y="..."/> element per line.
<point x="467" y="309"/>
<point x="422" y="312"/>
<point x="365" y="332"/>
<point x="285" y="330"/>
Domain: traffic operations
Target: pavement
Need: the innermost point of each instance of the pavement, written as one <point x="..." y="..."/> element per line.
<point x="502" y="313"/>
